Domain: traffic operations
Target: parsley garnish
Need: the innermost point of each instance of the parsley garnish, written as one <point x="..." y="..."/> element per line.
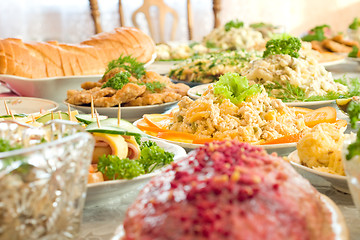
<point x="129" y="64"/>
<point x="354" y="148"/>
<point x="151" y="157"/>
<point x="317" y="34"/>
<point x="115" y="168"/>
<point x="5" y="146"/>
<point x="284" y="45"/>
<point x="118" y="81"/>
<point x="154" y="86"/>
<point x="233" y="24"/>
<point x="355" y="24"/>
<point x="210" y="44"/>
<point x="353" y="110"/>
<point x="354" y="52"/>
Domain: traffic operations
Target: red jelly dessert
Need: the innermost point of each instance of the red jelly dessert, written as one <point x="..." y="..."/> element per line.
<point x="228" y="190"/>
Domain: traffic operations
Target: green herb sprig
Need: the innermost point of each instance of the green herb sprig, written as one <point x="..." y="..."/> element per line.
<point x="285" y="45"/>
<point x="233" y="24"/>
<point x="129" y="64"/>
<point x="118" y="81"/>
<point x="151" y="157"/>
<point x="317" y="34"/>
<point x="355" y="24"/>
<point x="354" y="52"/>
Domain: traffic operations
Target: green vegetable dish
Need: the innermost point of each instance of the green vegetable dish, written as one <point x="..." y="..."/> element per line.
<point x="119" y="152"/>
<point x="151" y="158"/>
<point x="208" y="68"/>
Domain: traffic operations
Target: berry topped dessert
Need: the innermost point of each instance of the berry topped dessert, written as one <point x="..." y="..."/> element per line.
<point x="229" y="190"/>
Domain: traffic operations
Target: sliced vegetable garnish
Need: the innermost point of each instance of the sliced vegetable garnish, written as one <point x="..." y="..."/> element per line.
<point x="301" y="110"/>
<point x="177" y="136"/>
<point x="51" y="116"/>
<point x="113" y="123"/>
<point x="285" y="139"/>
<point x="161" y="121"/>
<point x="21" y="115"/>
<point x="87" y="119"/>
<point x="325" y="114"/>
<point x="112" y="130"/>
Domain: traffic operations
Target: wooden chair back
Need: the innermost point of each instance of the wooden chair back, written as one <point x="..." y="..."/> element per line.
<point x="163" y="10"/>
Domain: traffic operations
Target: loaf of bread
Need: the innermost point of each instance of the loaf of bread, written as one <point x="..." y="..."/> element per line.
<point x="90" y="57"/>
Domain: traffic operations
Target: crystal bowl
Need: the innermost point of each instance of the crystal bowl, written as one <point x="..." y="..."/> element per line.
<point x="43" y="184"/>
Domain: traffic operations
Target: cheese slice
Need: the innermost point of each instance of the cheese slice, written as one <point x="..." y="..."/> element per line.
<point x="109" y="144"/>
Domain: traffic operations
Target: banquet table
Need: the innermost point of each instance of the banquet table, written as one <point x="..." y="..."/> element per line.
<point x="103" y="215"/>
<point x="101" y="218"/>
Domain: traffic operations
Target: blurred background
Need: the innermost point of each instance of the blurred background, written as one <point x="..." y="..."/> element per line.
<point x="70" y="20"/>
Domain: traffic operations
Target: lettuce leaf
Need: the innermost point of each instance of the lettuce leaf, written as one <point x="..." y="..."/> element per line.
<point x="235" y="88"/>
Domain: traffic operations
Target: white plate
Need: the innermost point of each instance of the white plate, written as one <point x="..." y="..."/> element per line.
<point x="26" y="105"/>
<point x="353" y="59"/>
<point x="337" y="181"/>
<point x="103" y="191"/>
<point x="128" y="113"/>
<point x="338" y="222"/>
<point x="281" y="149"/>
<point x="196" y="91"/>
<point x="162" y="67"/>
<point x="314" y="104"/>
<point x="54" y="88"/>
<point x="332" y="63"/>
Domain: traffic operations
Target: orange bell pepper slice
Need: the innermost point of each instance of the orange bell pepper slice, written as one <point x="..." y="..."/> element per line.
<point x="205" y="140"/>
<point x="285" y="139"/>
<point x="161" y="121"/>
<point x="302" y="110"/>
<point x="144" y="126"/>
<point x="324" y="114"/>
<point x="177" y="136"/>
<point x="340" y="123"/>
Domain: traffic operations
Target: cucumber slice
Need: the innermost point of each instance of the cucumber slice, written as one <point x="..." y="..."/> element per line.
<point x="113" y="122"/>
<point x="113" y="130"/>
<point x="87" y="119"/>
<point x="20" y="115"/>
<point x="47" y="117"/>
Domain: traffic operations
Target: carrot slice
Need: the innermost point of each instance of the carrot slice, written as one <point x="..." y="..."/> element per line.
<point x="158" y="120"/>
<point x="302" y="110"/>
<point x="324" y="114"/>
<point x="177" y="136"/>
<point x="285" y="139"/>
<point x="204" y="140"/>
<point x="145" y="126"/>
<point x="340" y="123"/>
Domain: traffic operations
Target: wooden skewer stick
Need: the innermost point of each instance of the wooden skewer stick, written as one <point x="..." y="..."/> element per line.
<point x="52" y="115"/>
<point x="97" y="119"/>
<point x="6" y="108"/>
<point x="12" y="115"/>
<point x="69" y="112"/>
<point x="92" y="107"/>
<point x="33" y="118"/>
<point x="60" y="117"/>
<point x="119" y="115"/>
